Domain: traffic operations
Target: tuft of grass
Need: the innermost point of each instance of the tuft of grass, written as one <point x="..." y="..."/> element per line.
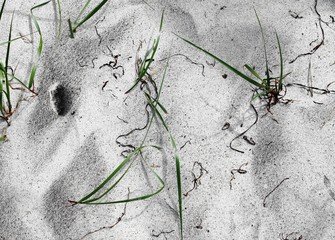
<point x="269" y="87"/>
<point x="97" y="195"/>
<point x="73" y="26"/>
<point x="5" y="95"/>
<point x="5" y="76"/>
<point x="4" y="68"/>
<point x="148" y="59"/>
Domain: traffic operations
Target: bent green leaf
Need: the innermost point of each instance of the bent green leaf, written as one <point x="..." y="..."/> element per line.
<point x="242" y="75"/>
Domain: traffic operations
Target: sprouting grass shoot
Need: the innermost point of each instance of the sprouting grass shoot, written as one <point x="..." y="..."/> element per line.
<point x="269" y="87"/>
<point x="98" y="195"/>
<point x="73" y="26"/>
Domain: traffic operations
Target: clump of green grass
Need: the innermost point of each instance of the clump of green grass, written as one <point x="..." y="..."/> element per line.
<point x="147" y="61"/>
<point x="7" y="76"/>
<point x="143" y="76"/>
<point x="6" y="109"/>
<point x="73" y="26"/>
<point x="268" y="87"/>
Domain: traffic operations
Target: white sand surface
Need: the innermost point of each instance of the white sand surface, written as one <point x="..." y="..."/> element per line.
<point x="283" y="186"/>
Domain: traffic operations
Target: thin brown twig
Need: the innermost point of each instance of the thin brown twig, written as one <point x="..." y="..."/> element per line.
<point x="196" y="179"/>
<point x="238" y="170"/>
<point x="320" y="21"/>
<point x="114" y="224"/>
<point x="241" y="134"/>
<point x="187" y="58"/>
<point x="264" y="200"/>
<point x="185" y="144"/>
<point x="160" y="233"/>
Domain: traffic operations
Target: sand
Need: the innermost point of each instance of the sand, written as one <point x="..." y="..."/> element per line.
<point x="281" y="187"/>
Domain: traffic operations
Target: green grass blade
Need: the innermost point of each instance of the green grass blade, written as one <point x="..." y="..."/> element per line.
<point x="6" y="94"/>
<point x="157" y="147"/>
<point x="245" y="77"/>
<point x="162" y="20"/>
<point x="154" y="108"/>
<point x="155" y="47"/>
<point x="92" y="200"/>
<point x="153" y="100"/>
<point x="180" y="199"/>
<point x="253" y="72"/>
<point x="112" y="175"/>
<point x="177" y="163"/>
<point x="2" y="77"/>
<point x="8" y="45"/>
<point x="259" y="95"/>
<point x="132" y="87"/>
<point x="179" y="183"/>
<point x="2" y="8"/>
<point x="177" y="159"/>
<point x="32" y="76"/>
<point x="286" y="75"/>
<point x="146" y="63"/>
<point x="91" y="14"/>
<point x="142" y="71"/>
<point x="157" y="98"/>
<point x="17" y="38"/>
<point x="40" y="43"/>
<point x="87" y="200"/>
<point x="2" y="69"/>
<point x="71" y="28"/>
<point x="117" y="181"/>
<point x="37" y="26"/>
<point x="143" y="197"/>
<point x="267" y="72"/>
<point x="81" y="12"/>
<point x="280" y="84"/>
<point x="6" y="65"/>
<point x="161" y="106"/>
<point x="59" y="18"/>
